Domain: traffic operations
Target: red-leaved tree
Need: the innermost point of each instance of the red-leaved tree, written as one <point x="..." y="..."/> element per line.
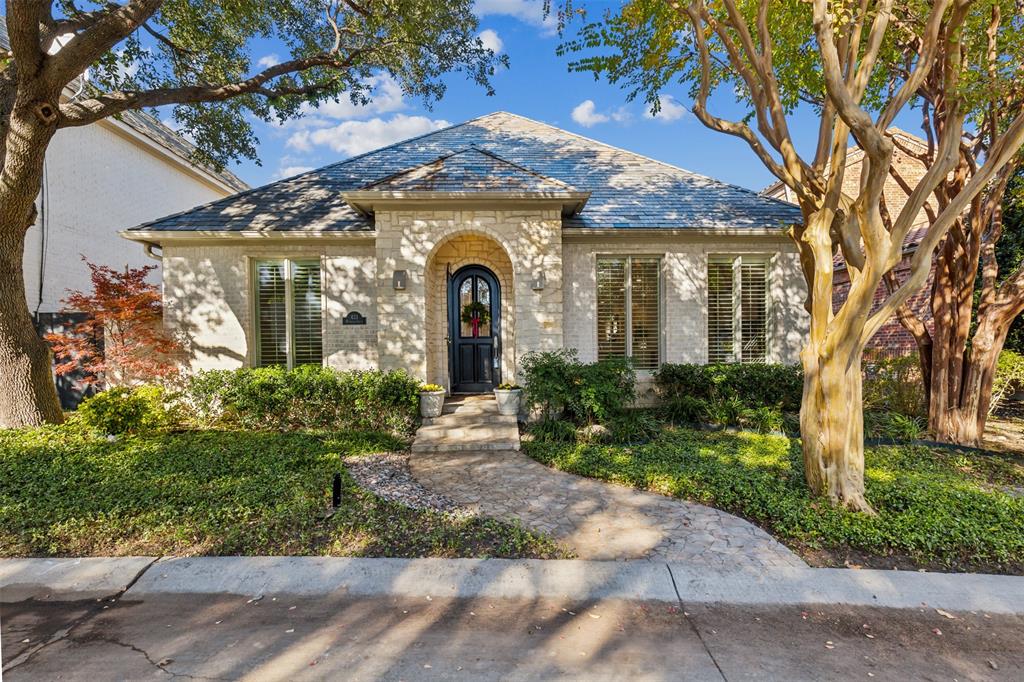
<point x="122" y="339"/>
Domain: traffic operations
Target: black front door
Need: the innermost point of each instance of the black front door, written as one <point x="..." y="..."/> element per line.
<point x="474" y="330"/>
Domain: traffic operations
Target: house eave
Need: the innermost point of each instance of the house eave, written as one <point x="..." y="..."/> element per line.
<point x="601" y="233"/>
<point x="160" y="237"/>
<point x="366" y="201"/>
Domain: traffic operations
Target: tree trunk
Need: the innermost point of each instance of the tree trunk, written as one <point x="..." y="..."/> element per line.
<point x="28" y="397"/>
<point x="832" y="428"/>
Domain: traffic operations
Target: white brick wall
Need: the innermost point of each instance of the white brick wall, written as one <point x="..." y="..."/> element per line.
<point x="97" y="183"/>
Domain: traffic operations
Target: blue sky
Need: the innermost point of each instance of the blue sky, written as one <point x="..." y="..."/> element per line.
<point x="538" y="85"/>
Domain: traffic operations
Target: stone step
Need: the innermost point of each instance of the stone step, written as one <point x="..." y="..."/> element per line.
<point x="468" y="423"/>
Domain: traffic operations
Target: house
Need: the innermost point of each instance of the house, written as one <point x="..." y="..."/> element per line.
<point x="892" y="339"/>
<point x="98" y="180"/>
<point x="453" y="254"/>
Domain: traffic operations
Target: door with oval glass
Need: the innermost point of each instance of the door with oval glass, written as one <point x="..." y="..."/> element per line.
<point x="474" y="330"/>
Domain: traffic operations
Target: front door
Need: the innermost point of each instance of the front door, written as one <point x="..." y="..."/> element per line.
<point x="474" y="330"/>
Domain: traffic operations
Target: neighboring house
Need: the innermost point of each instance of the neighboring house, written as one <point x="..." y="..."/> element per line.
<point x="892" y="340"/>
<point x="98" y="180"/>
<point x="453" y="254"/>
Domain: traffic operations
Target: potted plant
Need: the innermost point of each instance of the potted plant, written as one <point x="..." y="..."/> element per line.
<point x="431" y="400"/>
<point x="509" y="397"/>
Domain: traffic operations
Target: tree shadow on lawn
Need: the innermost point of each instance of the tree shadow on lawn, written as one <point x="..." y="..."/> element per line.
<point x="936" y="510"/>
<point x="218" y="493"/>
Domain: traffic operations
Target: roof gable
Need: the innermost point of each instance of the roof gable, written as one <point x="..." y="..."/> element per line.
<point x="627" y="190"/>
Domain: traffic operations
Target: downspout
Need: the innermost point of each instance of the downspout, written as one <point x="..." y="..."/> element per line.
<point x="148" y="248"/>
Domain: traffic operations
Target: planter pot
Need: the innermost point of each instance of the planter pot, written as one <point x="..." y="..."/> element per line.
<point x="508" y="401"/>
<point x="431" y="404"/>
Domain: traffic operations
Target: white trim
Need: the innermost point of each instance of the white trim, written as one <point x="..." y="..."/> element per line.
<point x="160" y="236"/>
<point x="366" y="201"/>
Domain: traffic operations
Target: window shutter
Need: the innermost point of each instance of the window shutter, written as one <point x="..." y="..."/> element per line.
<point x="721" y="313"/>
<point x="644" y="312"/>
<point x="271" y="314"/>
<point x="307" y="324"/>
<point x="611" y="308"/>
<point x="753" y="309"/>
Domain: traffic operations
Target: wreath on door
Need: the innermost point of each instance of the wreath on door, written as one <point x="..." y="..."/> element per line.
<point x="476" y="314"/>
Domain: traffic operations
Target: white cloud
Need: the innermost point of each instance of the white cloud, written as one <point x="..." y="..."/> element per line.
<point x="622" y="115"/>
<point x="386" y="95"/>
<point x="491" y="40"/>
<point x="586" y="115"/>
<point x="671" y="110"/>
<point x="355" y="137"/>
<point x="289" y="171"/>
<point x="266" y="61"/>
<point x="527" y="11"/>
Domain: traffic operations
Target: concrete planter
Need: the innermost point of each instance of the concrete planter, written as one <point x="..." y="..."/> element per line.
<point x="431" y="404"/>
<point x="509" y="401"/>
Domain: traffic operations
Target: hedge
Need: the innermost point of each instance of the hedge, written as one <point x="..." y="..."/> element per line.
<point x="753" y="385"/>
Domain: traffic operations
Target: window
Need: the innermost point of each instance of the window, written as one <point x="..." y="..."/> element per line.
<point x="737" y="309"/>
<point x="289" y="330"/>
<point x="628" y="310"/>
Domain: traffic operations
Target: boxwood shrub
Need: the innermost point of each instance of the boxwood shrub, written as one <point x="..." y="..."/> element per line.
<point x="754" y="385"/>
<point x="305" y="397"/>
<point x="559" y="386"/>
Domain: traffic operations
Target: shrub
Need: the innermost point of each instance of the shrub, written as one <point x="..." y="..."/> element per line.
<point x="893" y="426"/>
<point x="894" y="385"/>
<point x="552" y="431"/>
<point x="754" y="385"/>
<point x="125" y="410"/>
<point x="686" y="409"/>
<point x="763" y="419"/>
<point x="1009" y="378"/>
<point x="559" y="385"/>
<point x="306" y="397"/>
<point x="634" y="427"/>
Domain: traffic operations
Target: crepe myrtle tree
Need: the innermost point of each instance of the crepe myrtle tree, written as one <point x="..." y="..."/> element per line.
<point x="776" y="56"/>
<point x="973" y="301"/>
<point x="195" y="56"/>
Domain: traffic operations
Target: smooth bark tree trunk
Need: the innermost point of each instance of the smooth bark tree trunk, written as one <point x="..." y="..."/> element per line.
<point x="832" y="428"/>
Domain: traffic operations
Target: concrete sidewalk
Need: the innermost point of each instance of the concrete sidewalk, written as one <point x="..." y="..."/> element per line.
<point x="142" y="578"/>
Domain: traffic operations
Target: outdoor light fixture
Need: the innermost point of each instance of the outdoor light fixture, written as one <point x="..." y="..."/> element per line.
<point x="539" y="282"/>
<point x="398" y="280"/>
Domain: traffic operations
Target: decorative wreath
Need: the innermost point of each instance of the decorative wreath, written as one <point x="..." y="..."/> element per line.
<point x="476" y="311"/>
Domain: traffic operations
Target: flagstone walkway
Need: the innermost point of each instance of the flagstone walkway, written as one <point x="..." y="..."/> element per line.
<point x="597" y="520"/>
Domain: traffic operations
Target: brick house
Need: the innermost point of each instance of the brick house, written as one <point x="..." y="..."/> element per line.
<point x="453" y="254"/>
<point x="892" y="340"/>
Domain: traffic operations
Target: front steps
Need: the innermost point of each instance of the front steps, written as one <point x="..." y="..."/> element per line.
<point x="468" y="423"/>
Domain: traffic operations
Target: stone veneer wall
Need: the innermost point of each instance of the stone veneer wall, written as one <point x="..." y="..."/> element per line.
<point x="413" y="240"/>
<point x="207" y="299"/>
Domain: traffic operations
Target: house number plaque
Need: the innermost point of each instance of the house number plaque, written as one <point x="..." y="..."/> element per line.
<point x="354" y="317"/>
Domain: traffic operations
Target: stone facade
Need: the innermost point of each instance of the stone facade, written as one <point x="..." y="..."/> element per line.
<point x="207" y="285"/>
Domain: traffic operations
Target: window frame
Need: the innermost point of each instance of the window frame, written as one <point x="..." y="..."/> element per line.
<point x="289" y="263"/>
<point x="628" y="292"/>
<point x="736" y="261"/>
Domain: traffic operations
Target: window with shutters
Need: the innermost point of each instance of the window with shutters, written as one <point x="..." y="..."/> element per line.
<point x="289" y="327"/>
<point x="737" y="309"/>
<point x="629" y="309"/>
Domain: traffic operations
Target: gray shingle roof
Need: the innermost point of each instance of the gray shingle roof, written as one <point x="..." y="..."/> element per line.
<point x="627" y="190"/>
<point x="149" y="126"/>
<point x="469" y="170"/>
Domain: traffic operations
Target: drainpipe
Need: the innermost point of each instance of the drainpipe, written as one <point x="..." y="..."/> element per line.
<point x="148" y="248"/>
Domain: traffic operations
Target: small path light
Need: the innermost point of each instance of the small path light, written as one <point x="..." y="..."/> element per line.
<point x="336" y="491"/>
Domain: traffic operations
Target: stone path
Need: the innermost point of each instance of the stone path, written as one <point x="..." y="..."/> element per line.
<point x="598" y="520"/>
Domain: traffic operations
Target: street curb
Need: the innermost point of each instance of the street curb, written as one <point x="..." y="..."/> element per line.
<point x="68" y="579"/>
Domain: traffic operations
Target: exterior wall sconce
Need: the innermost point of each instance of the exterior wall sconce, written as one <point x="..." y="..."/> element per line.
<point x="398" y="280"/>
<point x="539" y="282"/>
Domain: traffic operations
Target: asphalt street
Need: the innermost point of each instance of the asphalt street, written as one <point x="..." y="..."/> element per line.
<point x="265" y="637"/>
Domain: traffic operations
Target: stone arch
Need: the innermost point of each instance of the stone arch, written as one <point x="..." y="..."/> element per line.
<point x="467" y="247"/>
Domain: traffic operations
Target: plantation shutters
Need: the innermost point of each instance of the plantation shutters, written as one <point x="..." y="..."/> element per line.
<point x="289" y="327"/>
<point x="628" y="310"/>
<point x="737" y="309"/>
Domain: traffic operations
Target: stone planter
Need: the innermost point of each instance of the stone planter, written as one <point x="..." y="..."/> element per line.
<point x="508" y="401"/>
<point x="431" y="404"/>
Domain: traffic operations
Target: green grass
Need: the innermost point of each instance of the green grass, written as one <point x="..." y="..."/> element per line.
<point x="63" y="493"/>
<point x="936" y="509"/>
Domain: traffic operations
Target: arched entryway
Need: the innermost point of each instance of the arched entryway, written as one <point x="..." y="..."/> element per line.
<point x="454" y="256"/>
<point x="474" y="330"/>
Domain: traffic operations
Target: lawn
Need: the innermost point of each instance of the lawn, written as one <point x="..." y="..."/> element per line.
<point x="63" y="493"/>
<point x="937" y="509"/>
